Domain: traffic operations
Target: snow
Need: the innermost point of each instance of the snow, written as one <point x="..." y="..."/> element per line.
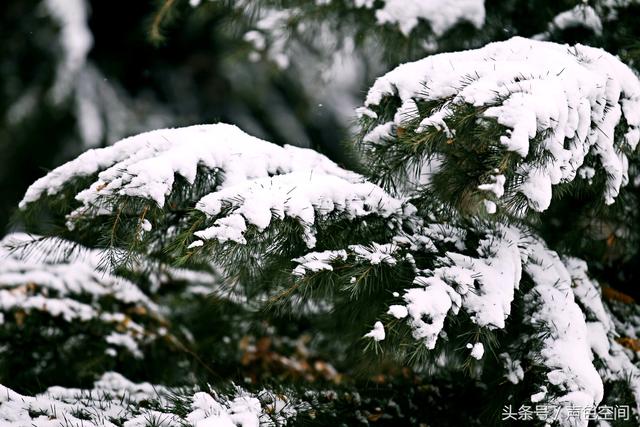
<point x="146" y="225"/>
<point x="487" y="283"/>
<point x="496" y="187"/>
<point x="538" y="397"/>
<point x="560" y="92"/>
<point x="565" y="304"/>
<point x="375" y="253"/>
<point x="513" y="368"/>
<point x="566" y="350"/>
<point x="318" y="261"/>
<point x="126" y="341"/>
<point x="45" y="276"/>
<point x="490" y="206"/>
<point x="377" y="333"/>
<point x="601" y="329"/>
<point x="304" y="196"/>
<point x="484" y="287"/>
<point x="196" y="244"/>
<point x="49" y="264"/>
<point x="271" y="37"/>
<point x="273" y="23"/>
<point x="114" y="400"/>
<point x="533" y="89"/>
<point x="242" y="411"/>
<point x="588" y="16"/>
<point x="582" y="15"/>
<point x="440" y="14"/>
<point x="154" y="418"/>
<point x="398" y="311"/>
<point x="477" y="350"/>
<point x="145" y="165"/>
<point x="587" y="173"/>
<point x="428" y="307"/>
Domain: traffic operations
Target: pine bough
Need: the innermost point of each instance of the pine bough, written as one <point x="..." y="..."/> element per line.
<point x="436" y="264"/>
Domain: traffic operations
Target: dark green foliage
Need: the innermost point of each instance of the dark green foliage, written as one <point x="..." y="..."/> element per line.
<point x="252" y="323"/>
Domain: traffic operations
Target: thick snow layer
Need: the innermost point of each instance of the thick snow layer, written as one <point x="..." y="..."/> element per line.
<point x="146" y="165"/>
<point x="564" y="304"/>
<point x="303" y="196"/>
<point x="484" y="287"/>
<point x="114" y="400"/>
<point x="440" y="14"/>
<point x="601" y="330"/>
<point x="487" y="283"/>
<point x="570" y="97"/>
<point x="428" y="307"/>
<point x="566" y="349"/>
<point x="258" y="181"/>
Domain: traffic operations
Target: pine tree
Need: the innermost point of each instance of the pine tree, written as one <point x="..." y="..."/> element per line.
<point x="467" y="252"/>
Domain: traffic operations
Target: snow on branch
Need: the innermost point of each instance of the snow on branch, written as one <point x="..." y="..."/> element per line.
<point x="595" y="17"/>
<point x="581" y="15"/>
<point x="145" y="165"/>
<point x="564" y="305"/>
<point x="253" y="182"/>
<point x="558" y="108"/>
<point x="51" y="278"/>
<point x="114" y="400"/>
<point x="304" y="196"/>
<point x="441" y="15"/>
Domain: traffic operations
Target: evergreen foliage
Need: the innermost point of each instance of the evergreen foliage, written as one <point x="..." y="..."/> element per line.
<point x="470" y="254"/>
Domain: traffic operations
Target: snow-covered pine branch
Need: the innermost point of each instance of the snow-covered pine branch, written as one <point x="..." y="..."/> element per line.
<point x="147" y="185"/>
<point x="504" y="124"/>
<point x="54" y="296"/>
<point x="437" y="292"/>
<point x="566" y="337"/>
<point x="114" y="400"/>
<point x="481" y="281"/>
